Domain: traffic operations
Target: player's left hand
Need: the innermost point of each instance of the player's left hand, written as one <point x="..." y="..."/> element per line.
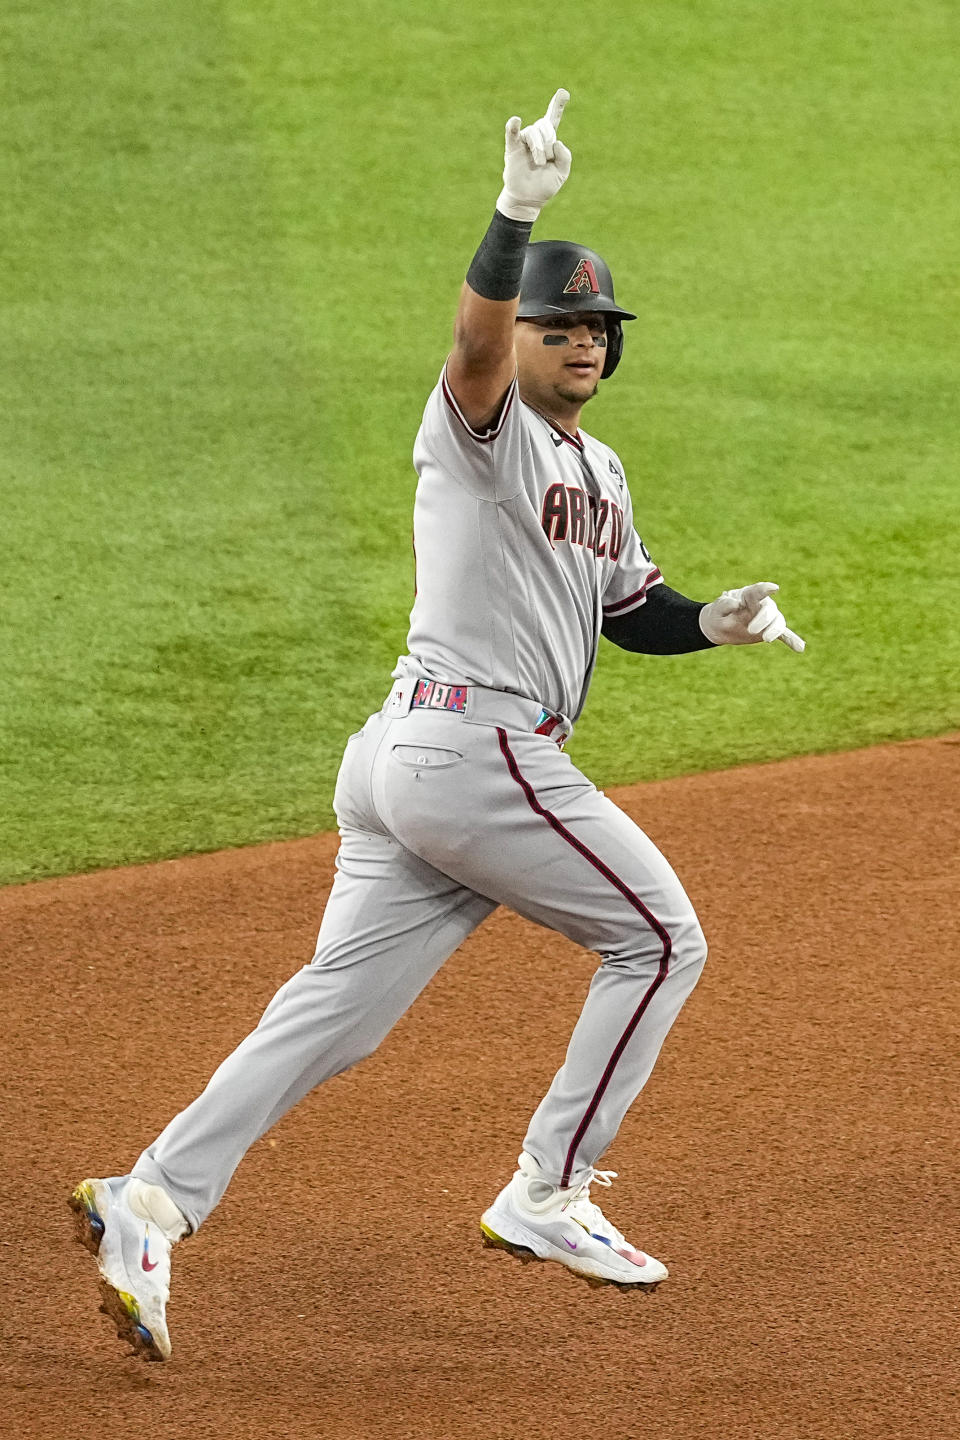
<point x="747" y="616"/>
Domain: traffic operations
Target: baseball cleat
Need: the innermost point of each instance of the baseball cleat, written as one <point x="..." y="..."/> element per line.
<point x="130" y="1227"/>
<point x="535" y="1220"/>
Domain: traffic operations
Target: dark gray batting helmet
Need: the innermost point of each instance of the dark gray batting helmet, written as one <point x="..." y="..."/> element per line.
<point x="560" y="276"/>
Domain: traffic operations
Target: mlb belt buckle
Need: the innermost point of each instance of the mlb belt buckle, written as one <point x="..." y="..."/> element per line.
<point x="547" y="725"/>
<point x="432" y="695"/>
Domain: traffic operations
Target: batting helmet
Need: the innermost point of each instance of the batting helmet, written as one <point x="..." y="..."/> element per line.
<point x="559" y="275"/>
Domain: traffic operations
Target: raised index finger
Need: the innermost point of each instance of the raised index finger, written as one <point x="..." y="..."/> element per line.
<point x="556" y="107"/>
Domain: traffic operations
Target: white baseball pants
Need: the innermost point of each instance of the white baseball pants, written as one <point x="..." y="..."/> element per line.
<point x="444" y="816"/>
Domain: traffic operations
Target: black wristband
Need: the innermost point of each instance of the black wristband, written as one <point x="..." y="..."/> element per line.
<point x="496" y="268"/>
<point x="667" y="623"/>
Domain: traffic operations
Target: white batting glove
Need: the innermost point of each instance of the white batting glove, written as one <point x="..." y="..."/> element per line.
<point x="535" y="164"/>
<point x="747" y="616"/>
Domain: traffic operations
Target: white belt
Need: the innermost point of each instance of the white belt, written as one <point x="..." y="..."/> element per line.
<point x="478" y="706"/>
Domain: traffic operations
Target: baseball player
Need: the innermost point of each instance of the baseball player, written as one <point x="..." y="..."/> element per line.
<point x="457" y="795"/>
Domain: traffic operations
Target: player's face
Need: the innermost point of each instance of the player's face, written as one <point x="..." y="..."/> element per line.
<point x="560" y="357"/>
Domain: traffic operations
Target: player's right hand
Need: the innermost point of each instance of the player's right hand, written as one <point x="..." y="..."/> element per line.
<point x="535" y="163"/>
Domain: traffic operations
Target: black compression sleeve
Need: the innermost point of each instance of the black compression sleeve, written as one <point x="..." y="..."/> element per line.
<point x="496" y="268"/>
<point x="667" y="623"/>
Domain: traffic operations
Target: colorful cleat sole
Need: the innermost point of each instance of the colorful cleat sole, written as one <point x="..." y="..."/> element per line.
<point x="87" y="1219"/>
<point x="492" y="1241"/>
<point x="117" y="1305"/>
<point x="124" y="1311"/>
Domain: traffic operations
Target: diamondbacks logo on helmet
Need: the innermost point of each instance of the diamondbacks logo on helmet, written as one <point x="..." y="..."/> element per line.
<point x="584" y="278"/>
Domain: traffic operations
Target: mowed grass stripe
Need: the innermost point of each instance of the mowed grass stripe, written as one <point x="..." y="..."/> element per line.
<point x="168" y="609"/>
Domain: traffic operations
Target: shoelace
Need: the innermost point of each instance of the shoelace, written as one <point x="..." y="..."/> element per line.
<point x="582" y="1208"/>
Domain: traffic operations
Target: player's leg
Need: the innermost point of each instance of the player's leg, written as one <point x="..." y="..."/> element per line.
<point x="554" y="848"/>
<point x="389" y="924"/>
<point x="633" y="910"/>
<point x="646" y="974"/>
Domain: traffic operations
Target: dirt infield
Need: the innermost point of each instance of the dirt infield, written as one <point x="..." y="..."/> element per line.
<point x="791" y="1159"/>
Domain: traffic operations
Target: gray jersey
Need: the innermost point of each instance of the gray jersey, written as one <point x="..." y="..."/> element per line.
<point x="524" y="541"/>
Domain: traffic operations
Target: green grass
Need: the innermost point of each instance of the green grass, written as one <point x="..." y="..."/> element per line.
<point x="230" y="251"/>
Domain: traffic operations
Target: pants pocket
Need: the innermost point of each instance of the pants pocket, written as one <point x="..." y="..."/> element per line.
<point x="426" y="757"/>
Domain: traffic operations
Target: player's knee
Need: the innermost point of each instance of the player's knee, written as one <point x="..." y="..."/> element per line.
<point x="688" y="946"/>
<point x="681" y="944"/>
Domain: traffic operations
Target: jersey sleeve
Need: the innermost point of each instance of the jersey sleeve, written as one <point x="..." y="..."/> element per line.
<point x="634" y="573"/>
<point x="485" y="462"/>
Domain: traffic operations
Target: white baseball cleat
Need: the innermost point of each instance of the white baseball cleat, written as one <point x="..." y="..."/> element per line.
<point x="130" y="1227"/>
<point x="535" y="1220"/>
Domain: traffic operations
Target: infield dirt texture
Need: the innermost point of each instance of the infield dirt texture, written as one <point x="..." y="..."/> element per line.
<point x="791" y="1158"/>
<point x="231" y="243"/>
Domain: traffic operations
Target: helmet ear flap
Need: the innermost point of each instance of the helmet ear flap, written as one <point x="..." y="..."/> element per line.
<point x="614" y="347"/>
